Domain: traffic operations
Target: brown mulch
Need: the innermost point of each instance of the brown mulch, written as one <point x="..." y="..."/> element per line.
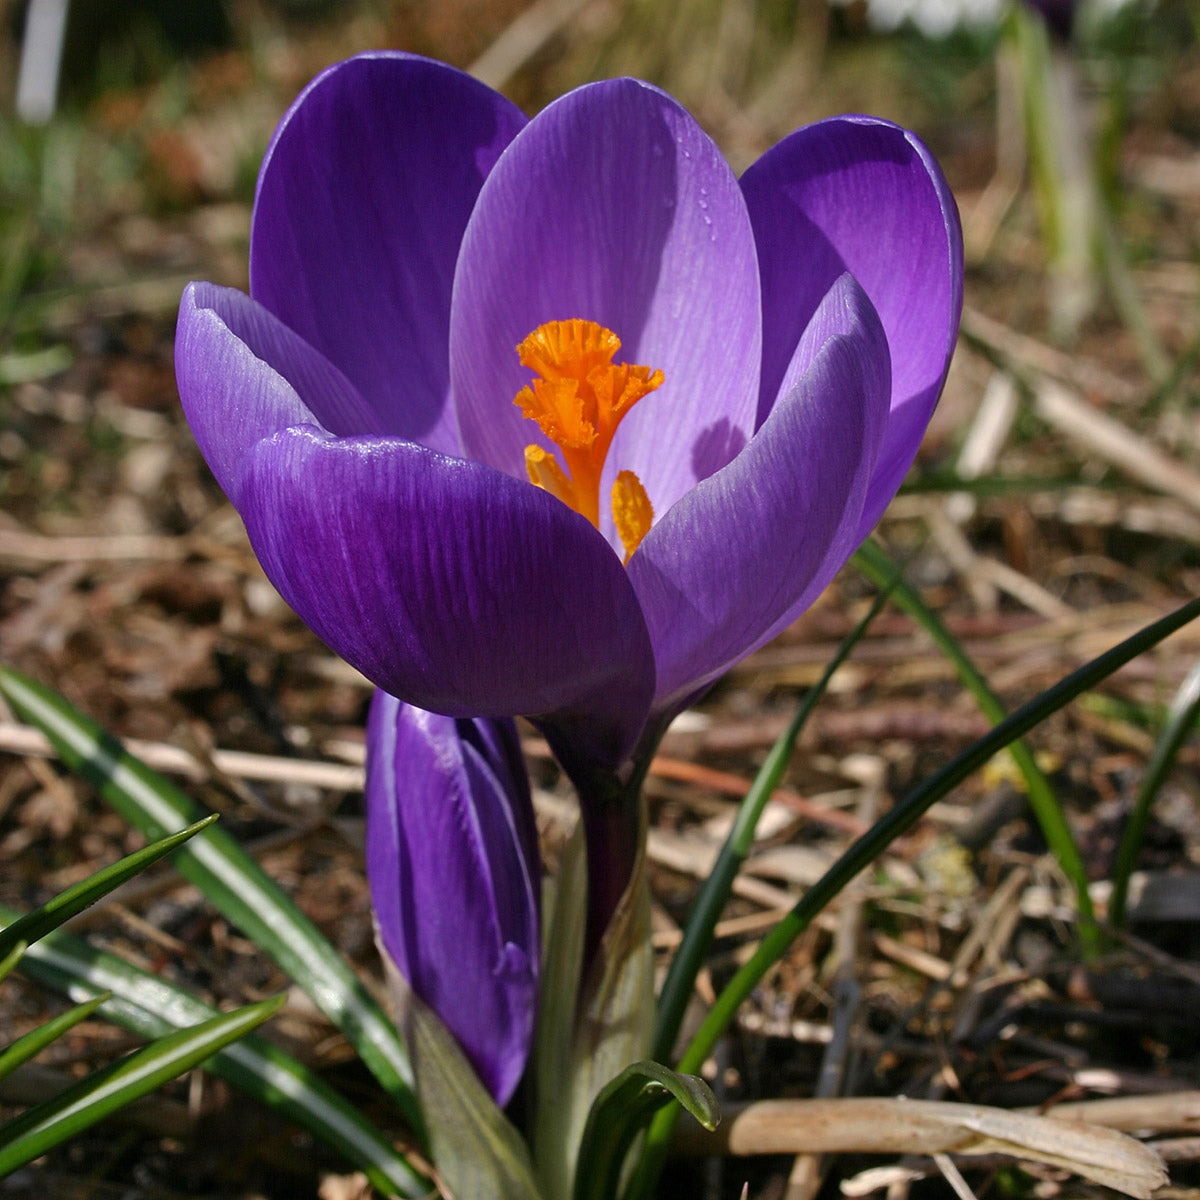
<point x="126" y="583"/>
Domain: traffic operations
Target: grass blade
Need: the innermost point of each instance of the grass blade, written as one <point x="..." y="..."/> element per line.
<point x="872" y="843"/>
<point x="1181" y="719"/>
<point x="717" y="888"/>
<point x="11" y="959"/>
<point x="235" y="884"/>
<point x="151" y="1007"/>
<point x="103" y="1092"/>
<point x="618" y="1114"/>
<point x="36" y="1040"/>
<point x="78" y="897"/>
<point x="874" y="562"/>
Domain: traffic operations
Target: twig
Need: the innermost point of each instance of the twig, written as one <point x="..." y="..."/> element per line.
<point x="1019" y="349"/>
<point x="899" y="1126"/>
<point x="239" y="764"/>
<point x="523" y="39"/>
<point x="1165" y="1112"/>
<point x="1003" y="899"/>
<point x="981" y="447"/>
<point x="1185" y="1149"/>
<point x="953" y="1177"/>
<point x="1116" y="443"/>
<point x="19" y="546"/>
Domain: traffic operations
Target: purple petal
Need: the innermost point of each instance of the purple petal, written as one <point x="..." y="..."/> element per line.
<point x="1059" y="15"/>
<point x="614" y="206"/>
<point x="745" y="552"/>
<point x="362" y="201"/>
<point x="861" y="195"/>
<point x="453" y="867"/>
<point x="449" y="584"/>
<point x="243" y="375"/>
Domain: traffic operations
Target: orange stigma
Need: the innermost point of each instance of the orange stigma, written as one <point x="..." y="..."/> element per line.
<point x="578" y="402"/>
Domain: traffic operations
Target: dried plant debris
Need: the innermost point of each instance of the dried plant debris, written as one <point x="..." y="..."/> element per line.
<point x="1055" y="509"/>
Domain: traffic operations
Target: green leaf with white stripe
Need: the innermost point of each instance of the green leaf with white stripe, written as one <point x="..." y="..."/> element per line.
<point x="235" y="884"/>
<point x="105" y="1091"/>
<point x="151" y="1007"/>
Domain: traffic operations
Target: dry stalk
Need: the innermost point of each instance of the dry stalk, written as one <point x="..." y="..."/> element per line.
<point x="899" y="1126"/>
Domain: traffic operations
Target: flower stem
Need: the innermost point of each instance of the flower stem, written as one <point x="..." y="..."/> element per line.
<point x="610" y="807"/>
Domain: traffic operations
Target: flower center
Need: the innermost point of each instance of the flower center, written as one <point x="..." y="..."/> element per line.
<point x="578" y="402"/>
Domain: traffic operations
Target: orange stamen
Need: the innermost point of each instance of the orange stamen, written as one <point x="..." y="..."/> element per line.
<point x="578" y="402"/>
<point x="632" y="511"/>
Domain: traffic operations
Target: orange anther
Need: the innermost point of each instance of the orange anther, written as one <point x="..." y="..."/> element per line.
<point x="578" y="402"/>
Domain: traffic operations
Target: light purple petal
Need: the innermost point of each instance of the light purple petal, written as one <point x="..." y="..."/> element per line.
<point x="243" y="375"/>
<point x="613" y="206"/>
<point x="450" y="584"/>
<point x="745" y="552"/>
<point x="362" y="201"/>
<point x="861" y="195"/>
<point x="453" y="867"/>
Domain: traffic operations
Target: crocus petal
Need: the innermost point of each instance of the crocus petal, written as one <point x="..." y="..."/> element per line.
<point x="242" y="375"/>
<point x="614" y="206"/>
<point x="861" y="195"/>
<point x="1059" y="15"/>
<point x="744" y="553"/>
<point x="453" y="868"/>
<point x="450" y="584"/>
<point x="362" y="201"/>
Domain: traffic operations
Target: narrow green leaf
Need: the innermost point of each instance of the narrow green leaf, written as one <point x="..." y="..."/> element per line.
<point x="597" y="1028"/>
<point x="152" y="1007"/>
<point x="615" y="1024"/>
<point x="103" y="1092"/>
<point x="986" y="485"/>
<point x="36" y="1040"/>
<point x="565" y="923"/>
<point x="78" y="897"/>
<point x="1181" y="719"/>
<point x="909" y="810"/>
<point x="11" y="959"/>
<point x="620" y="1112"/>
<point x="873" y="561"/>
<point x="477" y="1149"/>
<point x="235" y="884"/>
<point x="872" y="843"/>
<point x="717" y="888"/>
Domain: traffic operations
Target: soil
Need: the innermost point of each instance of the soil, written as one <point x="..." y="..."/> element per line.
<point x="126" y="583"/>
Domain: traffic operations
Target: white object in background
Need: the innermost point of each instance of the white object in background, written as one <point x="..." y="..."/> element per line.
<point x="41" y="56"/>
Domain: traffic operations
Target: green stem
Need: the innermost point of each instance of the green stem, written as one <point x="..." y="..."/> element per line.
<point x="610" y="808"/>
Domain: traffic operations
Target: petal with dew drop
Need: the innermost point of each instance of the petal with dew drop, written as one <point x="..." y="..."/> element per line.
<point x="615" y="207"/>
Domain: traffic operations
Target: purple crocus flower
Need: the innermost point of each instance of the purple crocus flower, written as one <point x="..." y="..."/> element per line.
<point x="1059" y="15"/>
<point x="452" y="860"/>
<point x="411" y="229"/>
<point x="719" y="385"/>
